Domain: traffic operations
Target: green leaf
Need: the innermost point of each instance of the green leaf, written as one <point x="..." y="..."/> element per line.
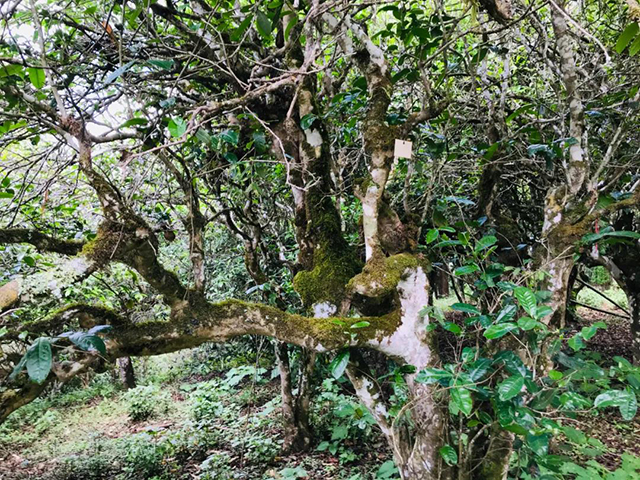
<point x="18" y="368"/>
<point x="362" y="324"/>
<point x="6" y="194"/>
<point x="453" y="328"/>
<point x="625" y="400"/>
<point x="466" y="269"/>
<point x="307" y="121"/>
<point x="594" y="237"/>
<point x="635" y="46"/>
<point x="479" y="368"/>
<point x="555" y="375"/>
<point x="264" y="25"/>
<point x="499" y="330"/>
<point x="163" y="64"/>
<point x="29" y="261"/>
<point x="629" y="407"/>
<point x="539" y="444"/>
<point x="449" y="454"/>
<point x="465" y="307"/>
<point x="239" y="32"/>
<point x="485" y="242"/>
<point x="432" y="375"/>
<point x="90" y="343"/>
<point x="507" y="313"/>
<point x="510" y="388"/>
<point x="204" y="136"/>
<point x="576" y="343"/>
<point x="36" y="77"/>
<point x="526" y="299"/>
<point x="626" y="36"/>
<point x="230" y="136"/>
<point x="113" y="76"/>
<point x="99" y="329"/>
<point x="339" y="364"/>
<point x="39" y="359"/>
<point x="432" y="235"/>
<point x="461" y="398"/>
<point x="134" y="122"/>
<point x="177" y="127"/>
<point x="528" y="323"/>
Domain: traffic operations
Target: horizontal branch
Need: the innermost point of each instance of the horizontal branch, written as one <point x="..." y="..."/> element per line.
<point x="43" y="242"/>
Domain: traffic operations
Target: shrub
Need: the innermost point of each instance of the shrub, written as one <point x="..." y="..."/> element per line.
<point x="143" y="458"/>
<point x="146" y="401"/>
<point x="216" y="467"/>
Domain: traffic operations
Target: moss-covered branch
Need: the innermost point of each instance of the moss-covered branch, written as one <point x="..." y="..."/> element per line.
<point x="43" y="242"/>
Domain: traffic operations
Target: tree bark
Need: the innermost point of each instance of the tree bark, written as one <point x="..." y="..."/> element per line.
<point x="126" y="373"/>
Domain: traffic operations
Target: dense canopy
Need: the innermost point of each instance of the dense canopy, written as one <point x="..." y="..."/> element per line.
<point x="184" y="171"/>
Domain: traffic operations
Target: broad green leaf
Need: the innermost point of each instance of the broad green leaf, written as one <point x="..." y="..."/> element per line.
<point x="39" y="360"/>
<point x="461" y="398"/>
<point x="466" y="269"/>
<point x="576" y="343"/>
<point x="506" y="314"/>
<point x="6" y="194"/>
<point x="588" y="332"/>
<point x="526" y="299"/>
<point x="555" y="375"/>
<point x="99" y="329"/>
<point x="610" y="398"/>
<point x="36" y="77"/>
<point x="465" y="307"/>
<point x="479" y="368"/>
<point x="339" y="364"/>
<point x="163" y="64"/>
<point x="574" y="435"/>
<point x="177" y="127"/>
<point x="453" y="328"/>
<point x="264" y="25"/>
<point x="485" y="242"/>
<point x="510" y="387"/>
<point x="635" y="46"/>
<point x="499" y="330"/>
<point x="626" y="36"/>
<point x="629" y="407"/>
<point x="594" y="237"/>
<point x="449" y="455"/>
<point x="432" y="375"/>
<point x="88" y="342"/>
<point x="134" y="122"/>
<point x="539" y="444"/>
<point x="362" y="324"/>
<point x="527" y="323"/>
<point x="432" y="235"/>
<point x="239" y="32"/>
<point x="230" y="136"/>
<point x="204" y="136"/>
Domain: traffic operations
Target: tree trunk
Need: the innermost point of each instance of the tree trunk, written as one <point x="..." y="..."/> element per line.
<point x="295" y="408"/>
<point x="634" y="310"/>
<point x="125" y="370"/>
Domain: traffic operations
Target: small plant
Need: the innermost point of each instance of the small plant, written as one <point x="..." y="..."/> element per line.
<point x="146" y="401"/>
<point x="216" y="467"/>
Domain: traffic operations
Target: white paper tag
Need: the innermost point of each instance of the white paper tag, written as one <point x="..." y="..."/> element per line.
<point x="403" y="149"/>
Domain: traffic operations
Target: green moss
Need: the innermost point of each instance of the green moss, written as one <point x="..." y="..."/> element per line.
<point x="334" y="261"/>
<point x="327" y="280"/>
<point x="381" y="275"/>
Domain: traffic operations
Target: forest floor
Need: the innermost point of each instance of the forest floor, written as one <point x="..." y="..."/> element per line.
<point x="86" y="432"/>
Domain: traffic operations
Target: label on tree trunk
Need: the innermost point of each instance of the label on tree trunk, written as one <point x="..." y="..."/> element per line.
<point x="403" y="149"/>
